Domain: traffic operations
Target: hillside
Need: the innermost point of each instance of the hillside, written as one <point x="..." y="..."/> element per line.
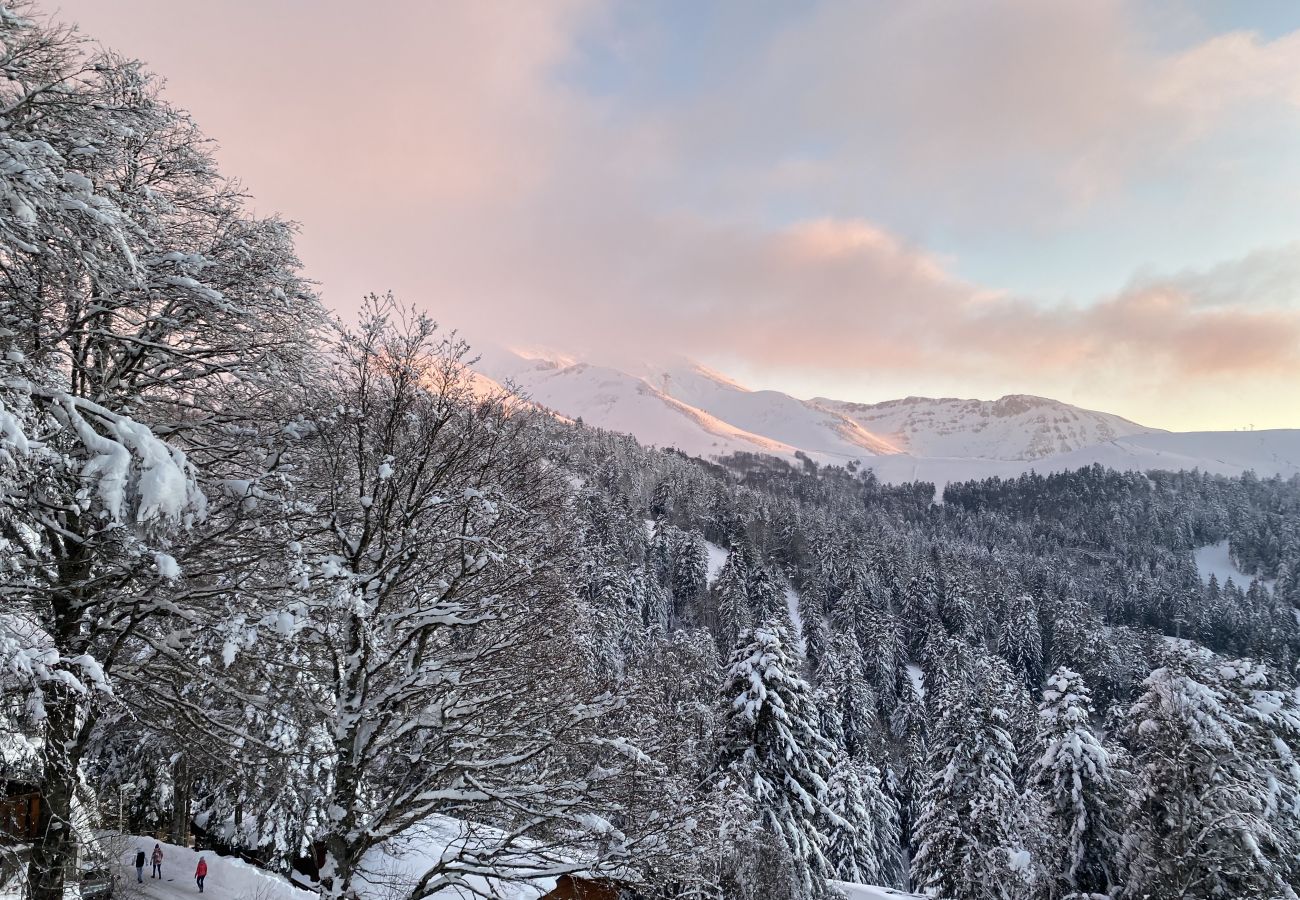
<point x="704" y="413"/>
<point x="701" y="414"/>
<point x="1017" y="426"/>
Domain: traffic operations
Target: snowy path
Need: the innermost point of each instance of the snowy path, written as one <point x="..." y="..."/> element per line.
<point x="228" y="878"/>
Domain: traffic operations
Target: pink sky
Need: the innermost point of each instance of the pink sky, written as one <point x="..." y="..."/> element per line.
<point x="461" y="155"/>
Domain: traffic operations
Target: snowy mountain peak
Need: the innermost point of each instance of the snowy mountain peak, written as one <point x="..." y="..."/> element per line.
<point x="1016" y="427"/>
<point x="679" y="403"/>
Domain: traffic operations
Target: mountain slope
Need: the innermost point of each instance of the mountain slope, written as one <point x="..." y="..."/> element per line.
<point x="611" y="399"/>
<point x="1015" y="427"/>
<point x="703" y="413"/>
<point x="817" y="431"/>
<point x="687" y="407"/>
<point x="1266" y="453"/>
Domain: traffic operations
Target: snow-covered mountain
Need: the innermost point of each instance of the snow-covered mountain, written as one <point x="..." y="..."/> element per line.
<point x="1017" y="426"/>
<point x="816" y="430"/>
<point x="687" y="407"/>
<point x="704" y="413"/>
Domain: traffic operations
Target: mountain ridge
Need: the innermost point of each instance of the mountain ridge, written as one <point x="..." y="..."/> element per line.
<point x="706" y="413"/>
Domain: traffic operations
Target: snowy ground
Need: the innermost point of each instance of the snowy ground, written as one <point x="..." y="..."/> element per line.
<point x="1213" y="559"/>
<point x="717" y="559"/>
<point x="228" y="878"/>
<point x="867" y="892"/>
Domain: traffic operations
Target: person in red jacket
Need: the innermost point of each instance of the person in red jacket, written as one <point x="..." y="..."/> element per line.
<point x="201" y="873"/>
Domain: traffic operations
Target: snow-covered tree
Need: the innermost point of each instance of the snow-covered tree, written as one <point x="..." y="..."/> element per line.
<point x="774" y="751"/>
<point x="1215" y="782"/>
<point x="849" y="827"/>
<point x="968" y="832"/>
<point x="1081" y="793"/>
<point x="1020" y="640"/>
<point x="434" y="556"/>
<point x="735" y="613"/>
<point x="845" y="699"/>
<point x="146" y="320"/>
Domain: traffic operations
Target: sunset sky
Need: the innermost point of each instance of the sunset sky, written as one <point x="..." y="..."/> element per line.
<point x="1095" y="201"/>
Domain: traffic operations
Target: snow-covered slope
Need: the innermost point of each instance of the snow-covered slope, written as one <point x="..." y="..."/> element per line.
<point x="730" y="420"/>
<point x="1267" y="453"/>
<point x="228" y="878"/>
<point x="703" y="413"/>
<point x="818" y="431"/>
<point x="1015" y="427"/>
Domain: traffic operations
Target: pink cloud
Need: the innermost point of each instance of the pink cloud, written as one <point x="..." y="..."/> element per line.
<point x="430" y="149"/>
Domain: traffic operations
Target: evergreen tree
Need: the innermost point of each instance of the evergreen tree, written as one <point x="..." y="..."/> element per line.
<point x="861" y="825"/>
<point x="735" y="614"/>
<point x="1081" y="794"/>
<point x="968" y="832"/>
<point x="1020" y="640"/>
<point x="773" y="748"/>
<point x="1214" y="811"/>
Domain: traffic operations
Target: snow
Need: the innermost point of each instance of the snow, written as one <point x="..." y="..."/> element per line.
<point x="705" y="414"/>
<point x="918" y="678"/>
<point x="1267" y="453"/>
<point x="167" y="566"/>
<point x="717" y="559"/>
<point x="228" y="878"/>
<point x="402" y="862"/>
<point x="820" y="432"/>
<point x="869" y="892"/>
<point x="1015" y="427"/>
<point x="1214" y="559"/>
<point x="616" y="401"/>
<point x="656" y="410"/>
<point x="387" y="869"/>
<point x="796" y="617"/>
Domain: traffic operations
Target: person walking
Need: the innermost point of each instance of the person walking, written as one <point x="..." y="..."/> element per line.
<point x="139" y="866"/>
<point x="200" y="873"/>
<point x="157" y="860"/>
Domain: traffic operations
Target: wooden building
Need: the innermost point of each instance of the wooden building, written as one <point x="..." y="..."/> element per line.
<point x="20" y="812"/>
<point x="575" y="887"/>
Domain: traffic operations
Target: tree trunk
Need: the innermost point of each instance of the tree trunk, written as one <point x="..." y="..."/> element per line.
<point x="343" y="852"/>
<point x="54" y="852"/>
<point x="180" y="830"/>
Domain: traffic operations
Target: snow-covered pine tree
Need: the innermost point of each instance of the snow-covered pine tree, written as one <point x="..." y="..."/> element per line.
<point x="813" y="629"/>
<point x="689" y="578"/>
<point x="849" y="826"/>
<point x="968" y="831"/>
<point x="848" y="707"/>
<point x="1020" y="640"/>
<point x="773" y="749"/>
<point x="735" y="613"/>
<point x="768" y="600"/>
<point x="1081" y="793"/>
<point x="1214" y="782"/>
<point x="909" y="727"/>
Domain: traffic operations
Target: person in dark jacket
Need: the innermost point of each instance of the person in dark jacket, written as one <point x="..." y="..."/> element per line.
<point x="139" y="866"/>
<point x="201" y="873"/>
<point x="157" y="860"/>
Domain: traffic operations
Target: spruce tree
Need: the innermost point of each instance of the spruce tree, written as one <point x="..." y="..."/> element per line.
<point x="1080" y="791"/>
<point x="1215" y="784"/>
<point x="968" y="832"/>
<point x="773" y="748"/>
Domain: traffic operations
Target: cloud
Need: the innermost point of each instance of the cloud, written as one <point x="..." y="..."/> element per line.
<point x="775" y="209"/>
